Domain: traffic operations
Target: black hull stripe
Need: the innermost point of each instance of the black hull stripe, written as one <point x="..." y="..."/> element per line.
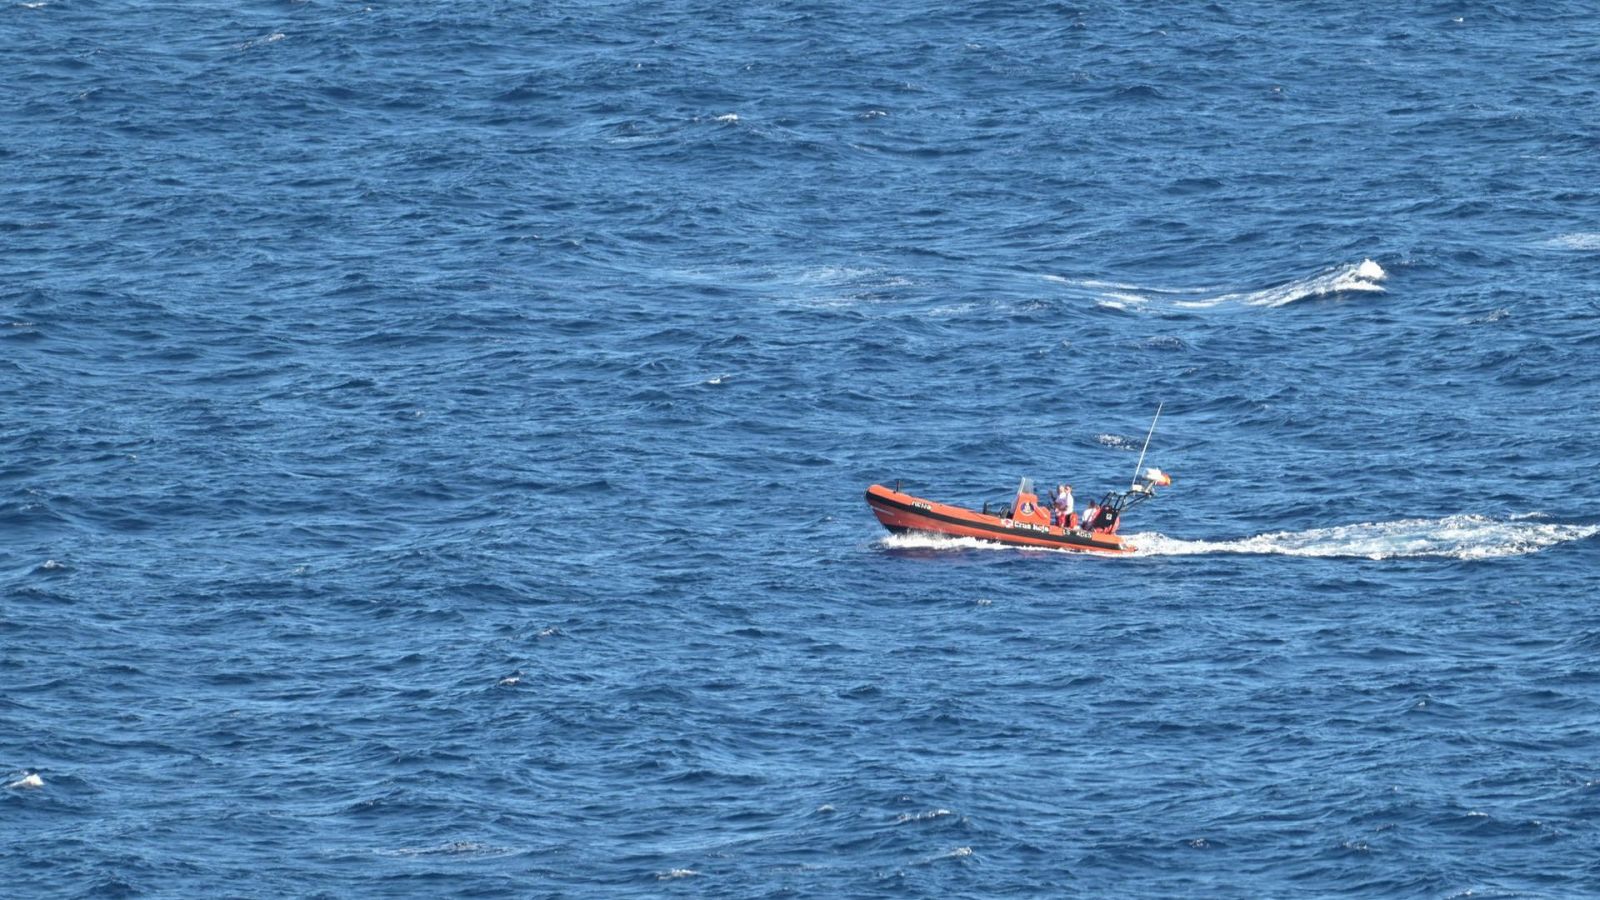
<point x="1069" y="541"/>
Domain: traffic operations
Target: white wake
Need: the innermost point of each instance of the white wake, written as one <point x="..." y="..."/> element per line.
<point x="1452" y="537"/>
<point x="917" y="540"/>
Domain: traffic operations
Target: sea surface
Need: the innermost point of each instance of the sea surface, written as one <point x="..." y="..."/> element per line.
<point x="434" y="437"/>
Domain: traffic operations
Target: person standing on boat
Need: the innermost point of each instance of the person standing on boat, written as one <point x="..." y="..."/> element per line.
<point x="1063" y="505"/>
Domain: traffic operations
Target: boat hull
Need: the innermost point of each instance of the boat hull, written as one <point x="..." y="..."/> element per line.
<point x="901" y="512"/>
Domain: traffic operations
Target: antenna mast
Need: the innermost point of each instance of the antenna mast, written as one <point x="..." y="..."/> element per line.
<point x="1152" y="431"/>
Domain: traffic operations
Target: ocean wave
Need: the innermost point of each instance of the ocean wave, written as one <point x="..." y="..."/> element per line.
<point x="450" y="848"/>
<point x="1452" y="537"/>
<point x="1577" y="240"/>
<point x="1364" y="276"/>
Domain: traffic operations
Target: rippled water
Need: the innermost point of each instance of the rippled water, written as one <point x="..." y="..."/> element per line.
<point x="435" y="441"/>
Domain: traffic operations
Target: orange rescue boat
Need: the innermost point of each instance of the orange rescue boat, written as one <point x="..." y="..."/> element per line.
<point x="1026" y="522"/>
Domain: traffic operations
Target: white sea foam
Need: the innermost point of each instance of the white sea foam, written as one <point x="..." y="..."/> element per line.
<point x="269" y="39"/>
<point x="1362" y="276"/>
<point x="1578" y="240"/>
<point x="29" y="781"/>
<point x="937" y="858"/>
<point x="1452" y="537"/>
<point x="675" y="873"/>
<point x="729" y="117"/>
<point x="913" y="540"/>
<point x="922" y="817"/>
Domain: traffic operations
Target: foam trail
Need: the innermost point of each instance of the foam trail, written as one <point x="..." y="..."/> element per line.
<point x="1362" y="276"/>
<point x="1452" y="537"/>
<point x="916" y="540"/>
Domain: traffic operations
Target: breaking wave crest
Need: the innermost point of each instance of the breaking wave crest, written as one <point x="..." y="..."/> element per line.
<point x="1578" y="240"/>
<point x="1452" y="537"/>
<point x="1363" y="276"/>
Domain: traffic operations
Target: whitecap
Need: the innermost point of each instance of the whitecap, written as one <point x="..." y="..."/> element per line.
<point x="1362" y="276"/>
<point x="1365" y="275"/>
<point x="957" y="853"/>
<point x="1115" y="441"/>
<point x="1451" y="537"/>
<point x="675" y="873"/>
<point x="922" y="817"/>
<point x="29" y="781"/>
<point x="729" y="117"/>
<point x="1577" y="240"/>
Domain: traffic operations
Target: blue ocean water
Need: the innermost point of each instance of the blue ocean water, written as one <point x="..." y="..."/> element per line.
<point x="435" y="435"/>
